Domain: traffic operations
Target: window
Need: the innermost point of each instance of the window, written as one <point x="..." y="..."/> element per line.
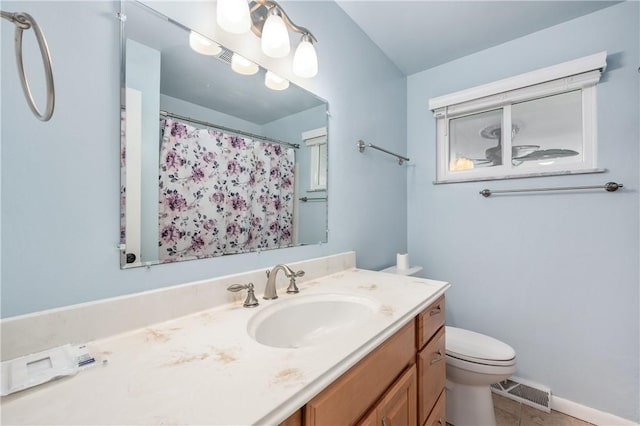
<point x="316" y="140"/>
<point x="550" y="114"/>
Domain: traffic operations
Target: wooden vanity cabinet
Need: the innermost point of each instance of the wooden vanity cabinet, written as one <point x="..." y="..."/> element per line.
<point x="347" y="399"/>
<point x="400" y="383"/>
<point x="293" y="420"/>
<point x="431" y="375"/>
<point x="429" y="321"/>
<point x="438" y="416"/>
<point x="430" y="359"/>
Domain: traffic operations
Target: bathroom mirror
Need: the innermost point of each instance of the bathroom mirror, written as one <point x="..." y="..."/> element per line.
<point x="213" y="162"/>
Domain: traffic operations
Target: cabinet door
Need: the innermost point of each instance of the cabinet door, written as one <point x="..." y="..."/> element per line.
<point x="438" y="416"/>
<point x="398" y="406"/>
<point x="349" y="397"/>
<point x="431" y="374"/>
<point x="370" y="420"/>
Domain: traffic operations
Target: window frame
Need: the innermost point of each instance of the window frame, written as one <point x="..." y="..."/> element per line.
<point x="317" y="141"/>
<point x="582" y="74"/>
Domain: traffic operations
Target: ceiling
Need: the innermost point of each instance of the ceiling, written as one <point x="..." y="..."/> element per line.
<point x="418" y="35"/>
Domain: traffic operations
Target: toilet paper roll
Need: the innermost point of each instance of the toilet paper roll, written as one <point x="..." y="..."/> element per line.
<point x="402" y="261"/>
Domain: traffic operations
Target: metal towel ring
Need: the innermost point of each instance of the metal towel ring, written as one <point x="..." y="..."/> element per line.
<point x="24" y="21"/>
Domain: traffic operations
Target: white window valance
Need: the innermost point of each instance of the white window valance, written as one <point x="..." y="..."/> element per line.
<point x="597" y="61"/>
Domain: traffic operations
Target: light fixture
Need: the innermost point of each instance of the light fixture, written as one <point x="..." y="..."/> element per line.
<point x="275" y="37"/>
<point x="233" y="16"/>
<point x="242" y="65"/>
<point x="203" y="45"/>
<point x="305" y="60"/>
<point x="269" y="21"/>
<point x="275" y="82"/>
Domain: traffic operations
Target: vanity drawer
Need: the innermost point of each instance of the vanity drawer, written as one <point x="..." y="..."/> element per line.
<point x="438" y="416"/>
<point x="349" y="397"/>
<point x="431" y="374"/>
<point x="429" y="321"/>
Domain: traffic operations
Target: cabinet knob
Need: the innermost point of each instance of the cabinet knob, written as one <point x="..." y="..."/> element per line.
<point x="435" y="311"/>
<point x="384" y="421"/>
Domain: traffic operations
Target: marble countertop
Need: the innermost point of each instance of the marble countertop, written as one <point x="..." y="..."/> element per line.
<point x="204" y="368"/>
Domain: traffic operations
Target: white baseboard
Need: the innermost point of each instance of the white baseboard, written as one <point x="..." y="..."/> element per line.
<point x="588" y="414"/>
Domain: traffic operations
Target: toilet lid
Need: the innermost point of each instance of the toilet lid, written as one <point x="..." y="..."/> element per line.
<point x="476" y="347"/>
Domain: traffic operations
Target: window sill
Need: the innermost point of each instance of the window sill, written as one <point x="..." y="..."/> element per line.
<point x="529" y="175"/>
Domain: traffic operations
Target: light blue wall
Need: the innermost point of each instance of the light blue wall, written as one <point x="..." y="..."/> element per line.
<point x="60" y="179"/>
<point x="555" y="275"/>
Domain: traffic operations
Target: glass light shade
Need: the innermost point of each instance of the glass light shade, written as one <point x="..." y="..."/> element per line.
<point x="242" y="65"/>
<point x="275" y="82"/>
<point x="233" y="16"/>
<point x="203" y="45"/>
<point x="305" y="60"/>
<point x="275" y="37"/>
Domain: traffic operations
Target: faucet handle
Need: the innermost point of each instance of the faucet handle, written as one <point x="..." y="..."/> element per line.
<point x="293" y="288"/>
<point x="250" y="301"/>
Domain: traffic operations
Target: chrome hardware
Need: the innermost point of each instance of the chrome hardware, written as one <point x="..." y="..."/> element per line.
<point x="307" y="199"/>
<point x="609" y="187"/>
<point x="438" y="359"/>
<point x="24" y="21"/>
<point x="384" y="421"/>
<point x="270" y="289"/>
<point x="250" y="301"/>
<point x="293" y="288"/>
<point x="362" y="145"/>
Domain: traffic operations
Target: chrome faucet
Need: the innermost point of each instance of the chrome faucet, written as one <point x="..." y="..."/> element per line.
<point x="250" y="301"/>
<point x="270" y="289"/>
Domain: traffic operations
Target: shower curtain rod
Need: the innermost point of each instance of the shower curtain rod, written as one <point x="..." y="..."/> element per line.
<point x="228" y="129"/>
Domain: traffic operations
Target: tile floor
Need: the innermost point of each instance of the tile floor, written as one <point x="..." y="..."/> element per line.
<point x="513" y="413"/>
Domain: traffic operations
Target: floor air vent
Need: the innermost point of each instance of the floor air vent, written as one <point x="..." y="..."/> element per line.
<point x="533" y="395"/>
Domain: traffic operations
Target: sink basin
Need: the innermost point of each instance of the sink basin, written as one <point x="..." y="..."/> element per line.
<point x="309" y="320"/>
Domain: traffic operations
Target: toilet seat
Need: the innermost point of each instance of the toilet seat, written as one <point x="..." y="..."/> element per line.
<point x="469" y="346"/>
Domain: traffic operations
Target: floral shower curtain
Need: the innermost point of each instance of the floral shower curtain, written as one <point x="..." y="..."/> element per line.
<point x="222" y="194"/>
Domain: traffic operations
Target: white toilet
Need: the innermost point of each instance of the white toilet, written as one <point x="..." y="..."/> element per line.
<point x="474" y="362"/>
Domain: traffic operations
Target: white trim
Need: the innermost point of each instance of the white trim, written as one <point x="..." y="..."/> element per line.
<point x="526" y="175"/>
<point x="597" y="61"/>
<point x="587" y="414"/>
<point x="316" y="141"/>
<point x="563" y="85"/>
<point x="133" y="175"/>
<point x="315" y="133"/>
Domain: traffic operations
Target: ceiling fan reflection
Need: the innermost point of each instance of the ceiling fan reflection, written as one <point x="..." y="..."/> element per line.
<point x="519" y="153"/>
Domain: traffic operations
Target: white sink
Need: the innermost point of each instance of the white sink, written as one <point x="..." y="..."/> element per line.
<point x="309" y="320"/>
